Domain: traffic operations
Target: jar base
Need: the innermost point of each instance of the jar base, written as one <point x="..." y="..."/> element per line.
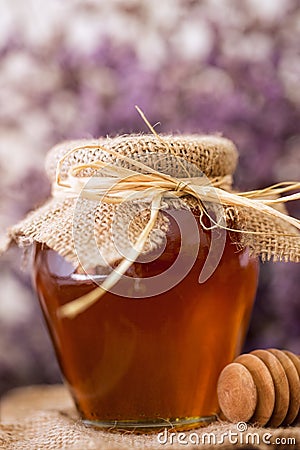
<point x="185" y="423"/>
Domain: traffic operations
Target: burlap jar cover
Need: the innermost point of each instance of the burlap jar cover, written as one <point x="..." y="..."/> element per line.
<point x="138" y="177"/>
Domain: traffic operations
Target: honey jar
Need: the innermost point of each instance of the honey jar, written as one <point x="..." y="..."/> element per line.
<point x="146" y="268"/>
<point x="150" y="362"/>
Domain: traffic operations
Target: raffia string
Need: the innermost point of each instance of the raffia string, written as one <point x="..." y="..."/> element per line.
<point x="122" y="183"/>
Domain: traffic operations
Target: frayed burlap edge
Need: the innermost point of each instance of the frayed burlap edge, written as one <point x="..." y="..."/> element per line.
<point x="62" y="223"/>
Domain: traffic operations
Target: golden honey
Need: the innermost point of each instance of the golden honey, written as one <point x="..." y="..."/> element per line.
<point x="154" y="361"/>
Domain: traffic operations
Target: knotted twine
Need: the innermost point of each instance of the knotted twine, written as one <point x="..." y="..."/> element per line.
<point x="103" y="174"/>
<point x="155" y="186"/>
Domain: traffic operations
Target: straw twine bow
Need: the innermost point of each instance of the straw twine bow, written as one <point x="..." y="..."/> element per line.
<point x="119" y="184"/>
<point x="126" y="183"/>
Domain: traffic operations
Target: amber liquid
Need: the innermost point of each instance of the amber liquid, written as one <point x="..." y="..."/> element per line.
<point x="152" y="360"/>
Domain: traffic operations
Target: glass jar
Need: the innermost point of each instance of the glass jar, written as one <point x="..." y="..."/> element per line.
<point x="152" y="362"/>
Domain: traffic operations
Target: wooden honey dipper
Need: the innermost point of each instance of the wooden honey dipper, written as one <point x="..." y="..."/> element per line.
<point x="261" y="387"/>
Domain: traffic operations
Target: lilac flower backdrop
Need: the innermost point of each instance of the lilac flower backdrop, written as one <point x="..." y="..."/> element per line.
<point x="76" y="69"/>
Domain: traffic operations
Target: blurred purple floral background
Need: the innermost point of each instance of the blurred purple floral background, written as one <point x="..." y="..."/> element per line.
<point x="76" y="69"/>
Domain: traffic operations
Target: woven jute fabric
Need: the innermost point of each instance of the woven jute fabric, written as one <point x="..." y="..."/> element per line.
<point x="85" y="230"/>
<point x="43" y="418"/>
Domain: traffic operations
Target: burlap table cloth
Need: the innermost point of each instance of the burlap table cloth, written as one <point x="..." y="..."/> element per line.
<point x="44" y="417"/>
